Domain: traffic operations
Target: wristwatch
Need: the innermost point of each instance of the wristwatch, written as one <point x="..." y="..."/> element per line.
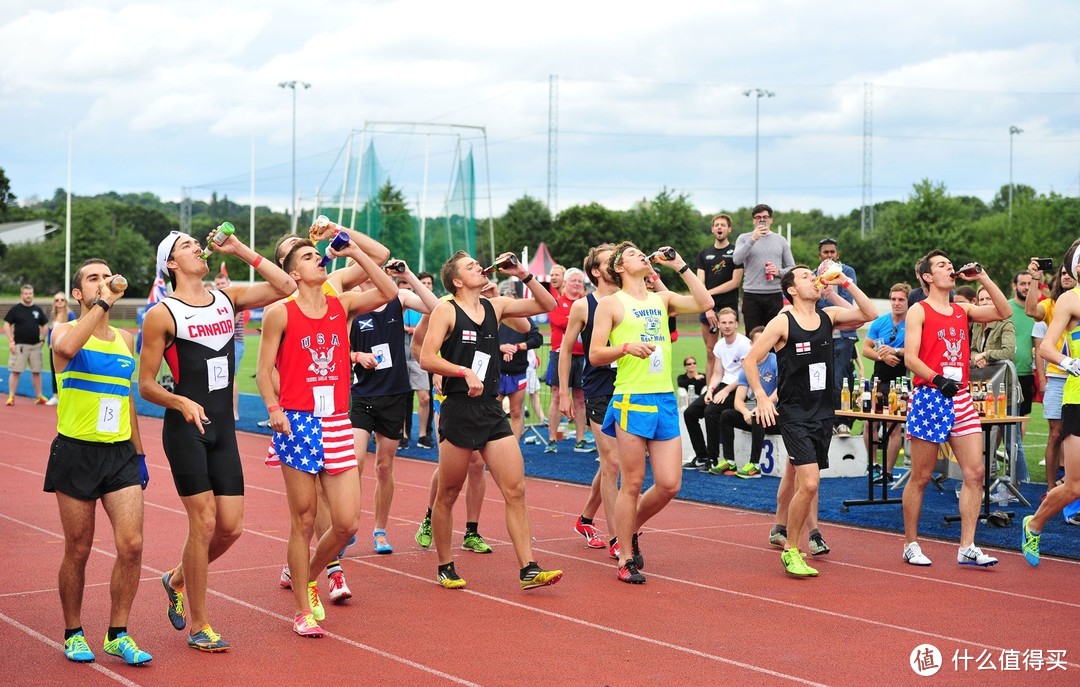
<point x="102" y="304"/>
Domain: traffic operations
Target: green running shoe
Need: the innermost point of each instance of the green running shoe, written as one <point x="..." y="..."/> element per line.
<point x="126" y="648"/>
<point x="795" y="564"/>
<point x="423" y="535"/>
<point x="474" y="542"/>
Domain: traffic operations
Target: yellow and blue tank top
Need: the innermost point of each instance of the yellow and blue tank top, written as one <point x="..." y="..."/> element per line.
<point x="95" y="388"/>
<point x="1071" y="395"/>
<point x="643" y="322"/>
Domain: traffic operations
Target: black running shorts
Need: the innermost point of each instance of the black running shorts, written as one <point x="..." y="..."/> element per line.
<point x="384" y="415"/>
<point x="596" y="409"/>
<point x="472" y="422"/>
<point x="808" y="442"/>
<point x="87" y="470"/>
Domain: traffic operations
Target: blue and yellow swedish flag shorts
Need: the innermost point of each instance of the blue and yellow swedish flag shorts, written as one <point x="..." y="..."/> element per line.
<point x="652" y="416"/>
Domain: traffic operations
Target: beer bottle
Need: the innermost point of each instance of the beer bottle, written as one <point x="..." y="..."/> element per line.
<point x="866" y="403"/>
<point x="845" y="396"/>
<point x="1002" y="401"/>
<point x="894" y="398"/>
<point x="879" y="396"/>
<point x="990" y="402"/>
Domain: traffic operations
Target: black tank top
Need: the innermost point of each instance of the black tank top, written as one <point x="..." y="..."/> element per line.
<point x="595" y="381"/>
<point x="474" y="346"/>
<point x="805" y="365"/>
<point x="202" y="357"/>
<point x="381" y="332"/>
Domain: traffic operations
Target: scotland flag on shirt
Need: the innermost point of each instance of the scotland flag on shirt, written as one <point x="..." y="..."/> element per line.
<point x="314" y="444"/>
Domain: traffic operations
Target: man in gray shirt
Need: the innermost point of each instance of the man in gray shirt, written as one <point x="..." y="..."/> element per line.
<point x="765" y="257"/>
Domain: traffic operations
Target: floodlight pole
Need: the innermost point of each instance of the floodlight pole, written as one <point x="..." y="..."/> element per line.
<point x="292" y="85"/>
<point x="760" y="93"/>
<point x="1013" y="130"/>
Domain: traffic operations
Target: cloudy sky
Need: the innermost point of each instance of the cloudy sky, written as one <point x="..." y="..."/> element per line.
<point x="164" y="95"/>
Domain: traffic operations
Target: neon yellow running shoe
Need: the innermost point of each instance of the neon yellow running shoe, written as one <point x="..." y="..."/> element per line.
<point x="474" y="542"/>
<point x="795" y="564"/>
<point x="126" y="648"/>
<point x="318" y="611"/>
<point x="535" y="577"/>
<point x="449" y="578"/>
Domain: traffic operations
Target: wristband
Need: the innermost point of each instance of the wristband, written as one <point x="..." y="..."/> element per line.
<point x="846" y="284"/>
<point x="685" y="267"/>
<point x="354" y="357"/>
<point x="461" y="371"/>
<point x="273" y="409"/>
<point x="528" y="278"/>
<point x="256" y="261"/>
<point x="624" y="347"/>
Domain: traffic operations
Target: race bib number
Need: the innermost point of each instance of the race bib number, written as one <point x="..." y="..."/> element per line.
<point x="480" y="363"/>
<point x="324" y="400"/>
<point x="382" y="356"/>
<point x="818" y="376"/>
<point x="217" y="373"/>
<point x="956" y="374"/>
<point x="656" y="361"/>
<point x="108" y="420"/>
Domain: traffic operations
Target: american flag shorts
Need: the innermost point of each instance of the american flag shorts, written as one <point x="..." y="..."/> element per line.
<point x="314" y="444"/>
<point x="935" y="418"/>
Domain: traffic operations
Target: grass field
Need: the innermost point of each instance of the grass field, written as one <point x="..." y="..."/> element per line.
<point x="687" y="345"/>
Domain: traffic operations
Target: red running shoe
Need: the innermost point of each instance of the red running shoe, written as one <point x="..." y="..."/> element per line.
<point x="613" y="550"/>
<point x="593" y="540"/>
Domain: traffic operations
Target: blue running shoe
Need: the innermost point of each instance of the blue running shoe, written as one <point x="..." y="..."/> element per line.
<point x="176" y="602"/>
<point x="76" y="649"/>
<point x="1029" y="543"/>
<point x="382" y="544"/>
<point x="126" y="648"/>
<point x="352" y="540"/>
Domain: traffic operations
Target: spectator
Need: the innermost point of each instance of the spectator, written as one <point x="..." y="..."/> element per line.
<point x="716" y="268"/>
<point x="765" y="257"/>
<point x="884" y="344"/>
<point x="843" y="340"/>
<point x="691" y="383"/>
<point x="24" y="326"/>
<point x="1023" y="360"/>
<point x="61" y="313"/>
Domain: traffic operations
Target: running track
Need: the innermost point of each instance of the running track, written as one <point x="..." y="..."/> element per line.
<point x="716" y="610"/>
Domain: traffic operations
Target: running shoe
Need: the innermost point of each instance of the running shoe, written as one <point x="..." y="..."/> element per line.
<point x="913" y="554"/>
<point x="207" y="640"/>
<point x="717" y="470"/>
<point x="382" y="544"/>
<point x="53" y="400"/>
<point x="176" y="602"/>
<point x="403" y="444"/>
<point x="475" y="543"/>
<point x="1029" y="542"/>
<point x="639" y="560"/>
<point x="339" y="591"/>
<point x="423" y="535"/>
<point x="304" y="625"/>
<point x="724" y="467"/>
<point x="535" y="577"/>
<point x="317" y="608"/>
<point x="584" y="447"/>
<point x="842" y="430"/>
<point x="76" y="649"/>
<point x="10" y="400"/>
<point x="778" y="539"/>
<point x="795" y="564"/>
<point x="628" y="573"/>
<point x="748" y="471"/>
<point x="126" y="648"/>
<point x="694" y="463"/>
<point x="352" y="540"/>
<point x="973" y="555"/>
<point x="41" y="400"/>
<point x="818" y="547"/>
<point x="285" y="581"/>
<point x="425" y="442"/>
<point x="592" y="537"/>
<point x="449" y="578"/>
<point x="550" y="448"/>
<point x="613" y="550"/>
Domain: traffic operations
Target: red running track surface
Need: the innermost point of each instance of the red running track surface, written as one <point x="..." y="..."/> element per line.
<point x="717" y="608"/>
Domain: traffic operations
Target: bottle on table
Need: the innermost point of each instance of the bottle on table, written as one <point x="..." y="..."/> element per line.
<point x="1002" y="401"/>
<point x="990" y="403"/>
<point x="879" y="396"/>
<point x="866" y="400"/>
<point x="845" y="396"/>
<point x="894" y="399"/>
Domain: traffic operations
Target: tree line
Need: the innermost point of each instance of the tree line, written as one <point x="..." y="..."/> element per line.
<point x="125" y="228"/>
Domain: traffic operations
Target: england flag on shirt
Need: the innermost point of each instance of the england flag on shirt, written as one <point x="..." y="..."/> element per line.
<point x="802" y="347"/>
